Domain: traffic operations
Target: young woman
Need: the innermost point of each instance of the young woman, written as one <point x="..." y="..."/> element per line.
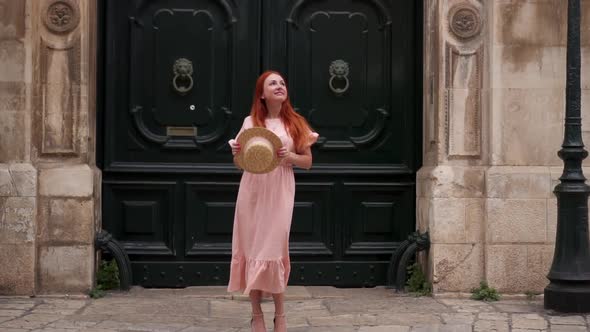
<point x="260" y="247"/>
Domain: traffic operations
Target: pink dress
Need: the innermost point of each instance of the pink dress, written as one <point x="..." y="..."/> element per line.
<point x="262" y="221"/>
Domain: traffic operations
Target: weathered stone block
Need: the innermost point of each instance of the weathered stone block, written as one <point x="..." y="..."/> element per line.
<point x="58" y="121"/>
<point x="17" y="220"/>
<point x="539" y="23"/>
<point x="384" y="328"/>
<point x="66" y="221"/>
<point x="18" y="180"/>
<point x="464" y="116"/>
<point x="12" y="20"/>
<point x="456" y="267"/>
<point x="67" y="181"/>
<point x="528" y="67"/>
<point x="24" y="178"/>
<point x="12" y="96"/>
<point x="566" y="328"/>
<point x="530" y="129"/>
<point x="424" y="181"/>
<point x="423" y="213"/>
<point x="516" y="220"/>
<point x="528" y="321"/>
<point x="506" y="267"/>
<point x="539" y="259"/>
<point x="458" y="318"/>
<point x="450" y="182"/>
<point x="567" y="320"/>
<point x="65" y="269"/>
<point x="7" y="188"/>
<point x="585" y="23"/>
<point x="490" y="325"/>
<point x="499" y="316"/>
<point x="12" y="61"/>
<point x="518" y="182"/>
<point x="18" y="269"/>
<point x="585" y="69"/>
<point x="516" y="268"/>
<point x="474" y="220"/>
<point x="447" y="220"/>
<point x="12" y="136"/>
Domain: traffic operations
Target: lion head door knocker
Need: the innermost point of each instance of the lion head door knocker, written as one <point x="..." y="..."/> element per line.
<point x="183" y="76"/>
<point x="339" y="71"/>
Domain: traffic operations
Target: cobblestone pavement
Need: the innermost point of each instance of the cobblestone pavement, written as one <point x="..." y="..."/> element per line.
<point x="321" y="309"/>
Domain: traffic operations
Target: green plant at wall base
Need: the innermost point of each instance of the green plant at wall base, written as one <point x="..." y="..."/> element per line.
<point x="96" y="293"/>
<point x="417" y="283"/>
<point x="485" y="293"/>
<point x="108" y="275"/>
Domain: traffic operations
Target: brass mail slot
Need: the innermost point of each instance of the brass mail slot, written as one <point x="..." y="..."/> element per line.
<point x="181" y="131"/>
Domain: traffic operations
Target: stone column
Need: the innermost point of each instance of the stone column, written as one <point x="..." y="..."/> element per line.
<point x="451" y="184"/>
<point x="18" y="176"/>
<point x="63" y="142"/>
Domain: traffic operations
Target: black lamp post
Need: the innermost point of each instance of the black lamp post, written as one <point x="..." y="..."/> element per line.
<point x="569" y="287"/>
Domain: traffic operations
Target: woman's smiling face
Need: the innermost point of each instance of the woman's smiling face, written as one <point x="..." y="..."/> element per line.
<point x="275" y="88"/>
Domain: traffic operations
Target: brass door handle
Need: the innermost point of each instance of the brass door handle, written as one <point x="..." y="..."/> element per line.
<point x="183" y="80"/>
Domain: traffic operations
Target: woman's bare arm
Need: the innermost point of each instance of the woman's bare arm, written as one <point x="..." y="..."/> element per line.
<point x="303" y="159"/>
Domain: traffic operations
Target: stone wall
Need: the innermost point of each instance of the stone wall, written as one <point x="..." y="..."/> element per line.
<point x="528" y="59"/>
<point x="49" y="185"/>
<point x="18" y="176"/>
<point x="493" y="216"/>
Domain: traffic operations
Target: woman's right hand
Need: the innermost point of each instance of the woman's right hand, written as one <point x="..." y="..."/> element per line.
<point x="235" y="147"/>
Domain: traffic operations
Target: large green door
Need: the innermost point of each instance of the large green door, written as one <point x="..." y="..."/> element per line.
<point x="178" y="77"/>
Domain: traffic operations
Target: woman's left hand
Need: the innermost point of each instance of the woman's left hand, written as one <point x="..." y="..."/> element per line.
<point x="283" y="153"/>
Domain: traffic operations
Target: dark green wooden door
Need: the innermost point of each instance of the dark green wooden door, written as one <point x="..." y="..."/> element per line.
<point x="178" y="77"/>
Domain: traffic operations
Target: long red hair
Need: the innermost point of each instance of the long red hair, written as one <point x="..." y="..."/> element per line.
<point x="295" y="124"/>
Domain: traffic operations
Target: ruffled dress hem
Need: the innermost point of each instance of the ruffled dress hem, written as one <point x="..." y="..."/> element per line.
<point x="268" y="276"/>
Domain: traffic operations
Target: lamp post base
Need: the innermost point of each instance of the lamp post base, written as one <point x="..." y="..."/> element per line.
<point x="568" y="297"/>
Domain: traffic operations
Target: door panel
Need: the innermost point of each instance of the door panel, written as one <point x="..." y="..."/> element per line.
<point x="312" y="226"/>
<point x="160" y="50"/>
<point x="140" y="212"/>
<point x="377" y="212"/>
<point x="178" y="82"/>
<point x="367" y="110"/>
<point x="209" y="218"/>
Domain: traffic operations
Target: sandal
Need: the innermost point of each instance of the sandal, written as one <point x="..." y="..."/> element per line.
<point x="279" y="316"/>
<point x="254" y="316"/>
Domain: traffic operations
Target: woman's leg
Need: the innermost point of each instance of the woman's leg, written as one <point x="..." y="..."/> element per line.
<point x="279" y="320"/>
<point x="257" y="322"/>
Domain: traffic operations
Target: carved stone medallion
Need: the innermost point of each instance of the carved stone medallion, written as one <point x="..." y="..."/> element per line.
<point x="464" y="21"/>
<point x="62" y="15"/>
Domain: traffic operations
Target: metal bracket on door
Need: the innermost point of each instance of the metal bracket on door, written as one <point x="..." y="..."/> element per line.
<point x="398" y="265"/>
<point x="183" y="80"/>
<point x="104" y="241"/>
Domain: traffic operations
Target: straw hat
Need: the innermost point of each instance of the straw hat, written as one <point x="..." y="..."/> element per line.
<point x="258" y="153"/>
